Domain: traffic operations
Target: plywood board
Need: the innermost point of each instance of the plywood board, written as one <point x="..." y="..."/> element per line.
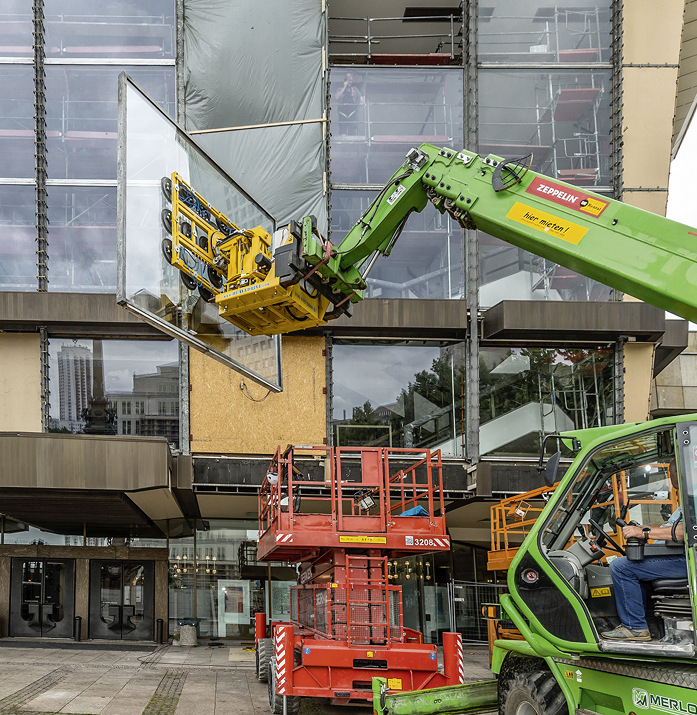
<point x="230" y="415"/>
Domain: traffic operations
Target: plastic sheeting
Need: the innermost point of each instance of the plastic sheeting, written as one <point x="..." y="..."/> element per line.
<point x="258" y="63"/>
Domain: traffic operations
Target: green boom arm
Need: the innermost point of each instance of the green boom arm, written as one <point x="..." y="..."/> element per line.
<point x="634" y="251"/>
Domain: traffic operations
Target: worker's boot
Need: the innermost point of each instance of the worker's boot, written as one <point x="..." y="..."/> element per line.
<point x="622" y="633"/>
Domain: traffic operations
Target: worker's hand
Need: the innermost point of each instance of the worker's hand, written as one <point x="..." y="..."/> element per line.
<point x="633" y="531"/>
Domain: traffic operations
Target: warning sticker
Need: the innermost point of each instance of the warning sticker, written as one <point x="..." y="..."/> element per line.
<point x="566" y="196"/>
<point x="363" y="539"/>
<point x="600" y="592"/>
<point x="547" y="223"/>
<point x="394" y="683"/>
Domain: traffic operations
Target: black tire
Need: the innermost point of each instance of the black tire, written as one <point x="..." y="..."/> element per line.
<point x="166" y="218"/>
<point x="187" y="280"/>
<point x="166" y="184"/>
<point x="536" y="693"/>
<point x="263" y="656"/>
<point x="276" y="700"/>
<point x="215" y="278"/>
<point x="167" y="249"/>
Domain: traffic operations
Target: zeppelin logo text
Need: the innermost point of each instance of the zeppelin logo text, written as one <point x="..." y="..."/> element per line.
<point x="566" y="196"/>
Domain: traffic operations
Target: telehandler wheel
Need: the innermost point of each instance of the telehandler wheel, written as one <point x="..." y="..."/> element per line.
<point x="166" y="184"/>
<point x="263" y="656"/>
<point x="536" y="693"/>
<point x="276" y="700"/>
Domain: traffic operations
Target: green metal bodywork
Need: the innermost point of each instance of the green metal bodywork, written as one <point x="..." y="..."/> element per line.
<point x="632" y="250"/>
<point x="593" y="677"/>
<point x="476" y="697"/>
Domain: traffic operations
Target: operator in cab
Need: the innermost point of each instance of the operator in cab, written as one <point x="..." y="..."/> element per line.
<point x="631" y="579"/>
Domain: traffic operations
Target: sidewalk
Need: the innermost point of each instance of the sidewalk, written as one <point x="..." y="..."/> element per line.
<point x="103" y="679"/>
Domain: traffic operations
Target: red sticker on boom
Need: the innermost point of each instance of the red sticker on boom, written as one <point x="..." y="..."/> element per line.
<point x="566" y="196"/>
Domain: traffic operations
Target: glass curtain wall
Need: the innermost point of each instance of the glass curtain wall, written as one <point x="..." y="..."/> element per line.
<point x="215" y="581"/>
<point x="377" y="115"/>
<point x="125" y="387"/>
<point x="528" y="392"/>
<point x="399" y="395"/>
<point x="544" y="89"/>
<point x="85" y="46"/>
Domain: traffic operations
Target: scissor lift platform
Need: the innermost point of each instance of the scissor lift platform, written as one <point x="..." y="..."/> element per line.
<point x="398" y="482"/>
<point x="346" y="622"/>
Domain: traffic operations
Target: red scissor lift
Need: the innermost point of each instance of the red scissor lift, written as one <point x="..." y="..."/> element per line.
<point x="369" y="505"/>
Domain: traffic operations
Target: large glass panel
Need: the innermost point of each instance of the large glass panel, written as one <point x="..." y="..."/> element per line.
<point x="181" y="574"/>
<point x="154" y="148"/>
<point x="82" y="239"/>
<point x="226" y="600"/>
<point x="528" y="392"/>
<point x="525" y="31"/>
<point x="127" y="387"/>
<point x="426" y="262"/>
<point x="511" y="273"/>
<point x="399" y="396"/>
<point x="17" y="134"/>
<point x="379" y="114"/>
<point x="17" y="242"/>
<point x="16" y="39"/>
<point x="81" y="116"/>
<point x="122" y="29"/>
<point x="562" y="119"/>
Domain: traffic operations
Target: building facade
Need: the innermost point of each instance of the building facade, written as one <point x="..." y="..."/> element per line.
<point x="129" y="463"/>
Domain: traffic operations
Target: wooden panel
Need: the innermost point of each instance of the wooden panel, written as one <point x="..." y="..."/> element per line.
<point x="231" y="415"/>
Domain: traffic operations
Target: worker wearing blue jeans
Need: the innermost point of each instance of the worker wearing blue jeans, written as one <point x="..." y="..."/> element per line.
<point x="630" y="579"/>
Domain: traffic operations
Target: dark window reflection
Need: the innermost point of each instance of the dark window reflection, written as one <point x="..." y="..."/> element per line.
<point x="120" y="29"/>
<point x="379" y="114"/>
<point x="399" y="395"/>
<point x="123" y="387"/>
<point x="17" y="244"/>
<point x="81" y="116"/>
<point x="426" y="262"/>
<point x="527" y="392"/>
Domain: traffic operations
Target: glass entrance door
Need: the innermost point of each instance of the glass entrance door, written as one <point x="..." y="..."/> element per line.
<point x="42" y="598"/>
<point x="122" y="595"/>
